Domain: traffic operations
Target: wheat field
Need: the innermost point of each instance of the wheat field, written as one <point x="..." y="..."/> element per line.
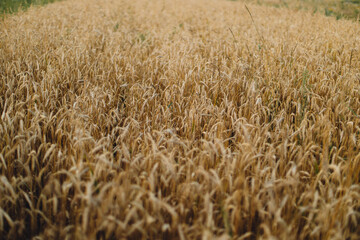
<point x="169" y="119"/>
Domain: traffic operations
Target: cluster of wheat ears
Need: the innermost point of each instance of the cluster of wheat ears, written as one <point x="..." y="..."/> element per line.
<point x="169" y="119"/>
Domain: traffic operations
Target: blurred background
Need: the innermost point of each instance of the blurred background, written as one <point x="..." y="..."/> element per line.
<point x="336" y="8"/>
<point x="349" y="9"/>
<point x="11" y="6"/>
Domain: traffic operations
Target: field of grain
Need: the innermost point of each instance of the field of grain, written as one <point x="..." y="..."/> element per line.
<point x="169" y="119"/>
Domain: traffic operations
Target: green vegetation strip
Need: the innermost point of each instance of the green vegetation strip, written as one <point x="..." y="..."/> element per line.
<point x="349" y="9"/>
<point x="12" y="6"/>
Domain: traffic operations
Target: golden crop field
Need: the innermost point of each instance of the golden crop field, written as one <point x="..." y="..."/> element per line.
<point x="178" y="119"/>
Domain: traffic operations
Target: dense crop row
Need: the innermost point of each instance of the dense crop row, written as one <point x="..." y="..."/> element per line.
<point x="178" y="120"/>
